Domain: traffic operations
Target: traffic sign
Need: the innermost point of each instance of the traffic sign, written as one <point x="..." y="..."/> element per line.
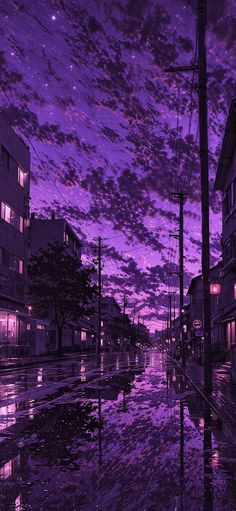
<point x="197" y="324"/>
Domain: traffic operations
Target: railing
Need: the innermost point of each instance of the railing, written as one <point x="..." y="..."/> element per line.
<point x="13" y="350"/>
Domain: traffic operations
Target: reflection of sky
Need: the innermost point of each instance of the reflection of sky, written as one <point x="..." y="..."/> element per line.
<point x="139" y="437"/>
<point x="101" y="113"/>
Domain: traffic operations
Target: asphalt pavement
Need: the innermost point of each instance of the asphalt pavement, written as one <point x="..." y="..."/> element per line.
<point x="123" y="432"/>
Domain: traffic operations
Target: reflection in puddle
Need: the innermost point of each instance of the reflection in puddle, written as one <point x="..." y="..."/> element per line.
<point x="122" y="442"/>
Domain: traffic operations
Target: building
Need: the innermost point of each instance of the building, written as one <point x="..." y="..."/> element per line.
<point x="226" y="183"/>
<point x="42" y="232"/>
<point x="111" y="321"/>
<point x="195" y="293"/>
<point x="14" y="199"/>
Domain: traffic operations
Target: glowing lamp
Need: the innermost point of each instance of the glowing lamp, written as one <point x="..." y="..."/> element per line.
<point x="215" y="289"/>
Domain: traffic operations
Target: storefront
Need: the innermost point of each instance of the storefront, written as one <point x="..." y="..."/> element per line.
<point x="13" y="334"/>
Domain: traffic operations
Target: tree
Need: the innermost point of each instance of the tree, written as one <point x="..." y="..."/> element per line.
<point x="60" y="288"/>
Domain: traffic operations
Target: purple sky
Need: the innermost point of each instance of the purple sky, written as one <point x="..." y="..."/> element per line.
<point x="87" y="84"/>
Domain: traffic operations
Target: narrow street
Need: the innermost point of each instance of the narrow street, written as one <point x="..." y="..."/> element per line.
<point x="125" y="434"/>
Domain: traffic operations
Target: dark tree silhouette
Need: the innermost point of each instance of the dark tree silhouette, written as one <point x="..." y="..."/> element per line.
<point x="60" y="288"/>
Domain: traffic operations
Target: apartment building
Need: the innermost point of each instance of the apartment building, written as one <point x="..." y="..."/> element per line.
<point x="42" y="232"/>
<point x="14" y="215"/>
<point x="226" y="183"/>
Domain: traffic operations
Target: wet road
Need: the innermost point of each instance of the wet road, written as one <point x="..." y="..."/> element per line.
<point x="124" y="434"/>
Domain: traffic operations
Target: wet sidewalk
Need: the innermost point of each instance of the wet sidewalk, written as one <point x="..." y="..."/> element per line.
<point x="223" y="397"/>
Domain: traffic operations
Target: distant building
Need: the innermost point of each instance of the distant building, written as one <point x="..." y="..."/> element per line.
<point x="111" y="320"/>
<point x="226" y="182"/>
<point x="195" y="292"/>
<point x="14" y="204"/>
<point x="53" y="230"/>
<point x="79" y="335"/>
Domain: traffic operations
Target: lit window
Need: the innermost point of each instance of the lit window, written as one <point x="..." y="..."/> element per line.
<point x="235" y="291"/>
<point x="5" y="158"/>
<point x="15" y="263"/>
<point x="20" y="266"/>
<point x="83" y="335"/>
<point x="11" y="217"/>
<point x="66" y="238"/>
<point x="21" y="176"/>
<point x="40" y="327"/>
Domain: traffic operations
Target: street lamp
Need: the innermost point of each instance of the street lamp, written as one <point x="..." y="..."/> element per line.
<point x="29" y="309"/>
<point x="215" y="289"/>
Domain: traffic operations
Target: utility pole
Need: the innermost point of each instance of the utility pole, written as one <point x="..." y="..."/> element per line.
<point x="174" y="308"/>
<point x="181" y="196"/>
<point x="200" y="68"/>
<point x="170" y="313"/>
<point x="99" y="262"/>
<point x="99" y="291"/>
<point x="124" y="310"/>
<point x="203" y="135"/>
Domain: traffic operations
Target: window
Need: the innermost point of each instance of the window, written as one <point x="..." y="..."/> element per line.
<point x="235" y="290"/>
<point x="11" y="217"/>
<point x="66" y="238"/>
<point x="5" y="158"/>
<point x="227" y="201"/>
<point x="83" y="335"/>
<point x="234" y="192"/>
<point x="15" y="263"/>
<point x="40" y="327"/>
<point x="22" y="176"/>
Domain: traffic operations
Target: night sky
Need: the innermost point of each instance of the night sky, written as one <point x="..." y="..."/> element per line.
<point x="83" y="82"/>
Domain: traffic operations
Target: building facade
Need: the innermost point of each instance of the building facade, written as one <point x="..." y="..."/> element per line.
<point x="14" y="218"/>
<point x="42" y="232"/>
<point x="226" y="183"/>
<point x="14" y="198"/>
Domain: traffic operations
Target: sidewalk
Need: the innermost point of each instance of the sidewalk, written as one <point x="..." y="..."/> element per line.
<point x="223" y="397"/>
<point x="22" y="362"/>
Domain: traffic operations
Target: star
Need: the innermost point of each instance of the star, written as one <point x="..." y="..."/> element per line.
<point x="53" y="17"/>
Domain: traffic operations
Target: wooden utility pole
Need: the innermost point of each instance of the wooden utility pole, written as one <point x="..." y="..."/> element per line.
<point x="124" y="310"/>
<point x="203" y="135"/>
<point x="99" y="292"/>
<point x="174" y="309"/>
<point x="200" y="68"/>
<point x="181" y="196"/>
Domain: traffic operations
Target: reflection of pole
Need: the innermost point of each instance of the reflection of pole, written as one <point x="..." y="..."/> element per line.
<point x="208" y="470"/>
<point x="99" y="292"/>
<point x="170" y="334"/>
<point x="100" y="427"/>
<point x="182" y="452"/>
